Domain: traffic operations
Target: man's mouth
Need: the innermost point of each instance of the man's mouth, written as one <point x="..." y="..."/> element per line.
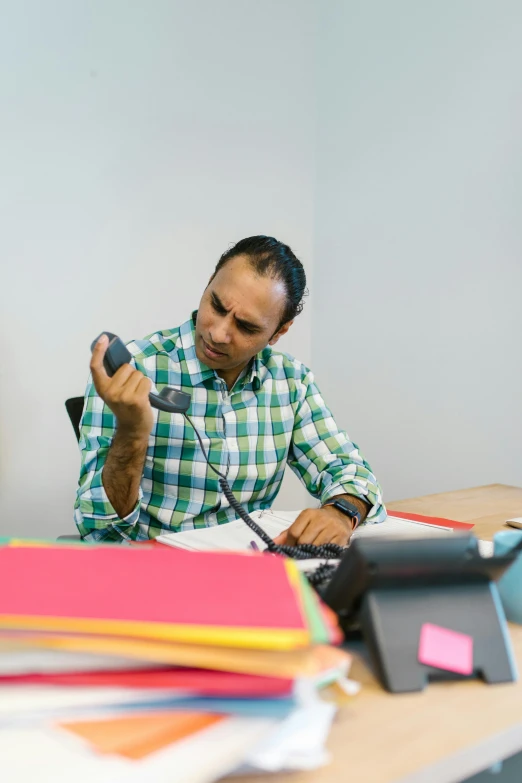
<point x="210" y="351"/>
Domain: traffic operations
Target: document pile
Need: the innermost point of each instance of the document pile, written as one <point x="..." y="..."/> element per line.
<point x="151" y="663"/>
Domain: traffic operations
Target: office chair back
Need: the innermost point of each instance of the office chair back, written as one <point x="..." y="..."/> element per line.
<point x="74" y="407"/>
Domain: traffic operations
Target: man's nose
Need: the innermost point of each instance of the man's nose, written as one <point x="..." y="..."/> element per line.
<point x="221" y="332"/>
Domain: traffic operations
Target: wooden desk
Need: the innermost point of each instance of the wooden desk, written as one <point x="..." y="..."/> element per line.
<point x="486" y="507"/>
<point x="450" y="731"/>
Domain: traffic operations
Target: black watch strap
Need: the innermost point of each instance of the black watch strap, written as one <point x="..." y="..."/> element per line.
<point x="347" y="508"/>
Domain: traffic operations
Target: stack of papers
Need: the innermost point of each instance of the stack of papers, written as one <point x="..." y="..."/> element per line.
<point x="130" y="663"/>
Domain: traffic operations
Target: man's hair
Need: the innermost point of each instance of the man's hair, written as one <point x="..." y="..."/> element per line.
<point x="271" y="258"/>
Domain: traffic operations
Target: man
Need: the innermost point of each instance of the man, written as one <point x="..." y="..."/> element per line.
<point x="143" y="472"/>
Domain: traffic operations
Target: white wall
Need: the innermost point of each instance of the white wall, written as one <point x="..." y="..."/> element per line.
<point x="417" y="315"/>
<point x="138" y="141"/>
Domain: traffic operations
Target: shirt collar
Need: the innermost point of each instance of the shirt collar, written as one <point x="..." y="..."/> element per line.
<point x="255" y="373"/>
<point x="186" y="348"/>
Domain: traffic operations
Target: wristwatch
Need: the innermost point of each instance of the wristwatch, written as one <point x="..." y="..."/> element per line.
<point x="347" y="508"/>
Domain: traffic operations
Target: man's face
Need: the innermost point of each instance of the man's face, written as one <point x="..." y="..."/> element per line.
<point x="238" y="316"/>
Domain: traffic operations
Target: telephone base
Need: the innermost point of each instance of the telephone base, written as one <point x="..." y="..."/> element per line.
<point x="391" y="620"/>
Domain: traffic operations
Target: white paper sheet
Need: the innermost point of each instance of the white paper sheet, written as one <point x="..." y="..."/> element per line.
<point x="297" y="744"/>
<point x="55" y="756"/>
<point x="24" y="660"/>
<point x="235" y="535"/>
<point x="23" y="704"/>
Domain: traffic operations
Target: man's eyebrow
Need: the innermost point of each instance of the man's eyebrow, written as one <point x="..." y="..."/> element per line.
<point x="218" y="301"/>
<point x="240" y="321"/>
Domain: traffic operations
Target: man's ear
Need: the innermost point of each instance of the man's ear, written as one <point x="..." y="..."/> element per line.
<point x="280" y="332"/>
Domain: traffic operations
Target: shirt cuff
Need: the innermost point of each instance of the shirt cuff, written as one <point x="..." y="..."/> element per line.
<point x="96" y="513"/>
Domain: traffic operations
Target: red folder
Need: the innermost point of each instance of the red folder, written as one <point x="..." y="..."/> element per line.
<point x="196" y="681"/>
<point x="437" y="521"/>
<point x="203" y="597"/>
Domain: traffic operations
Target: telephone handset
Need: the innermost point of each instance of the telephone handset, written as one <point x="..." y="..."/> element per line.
<point x="169" y="400"/>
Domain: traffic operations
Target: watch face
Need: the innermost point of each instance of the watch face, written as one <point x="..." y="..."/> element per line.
<point x="348" y="508"/>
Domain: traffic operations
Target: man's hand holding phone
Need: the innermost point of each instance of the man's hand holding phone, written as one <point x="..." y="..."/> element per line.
<point x="126" y="393"/>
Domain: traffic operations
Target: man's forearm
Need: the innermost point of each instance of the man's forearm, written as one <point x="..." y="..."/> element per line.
<point x="123" y="470"/>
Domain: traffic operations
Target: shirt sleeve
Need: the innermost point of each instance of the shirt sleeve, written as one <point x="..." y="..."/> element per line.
<point x="324" y="458"/>
<point x="94" y="514"/>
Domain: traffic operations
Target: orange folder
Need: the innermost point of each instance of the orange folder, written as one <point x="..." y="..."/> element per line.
<point x="307" y="662"/>
<point x="136" y="736"/>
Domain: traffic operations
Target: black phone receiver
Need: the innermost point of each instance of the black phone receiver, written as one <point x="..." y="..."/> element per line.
<point x="169" y="400"/>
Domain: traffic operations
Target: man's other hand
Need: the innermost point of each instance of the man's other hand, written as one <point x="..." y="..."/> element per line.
<point x="126" y="393"/>
<point x="318" y="526"/>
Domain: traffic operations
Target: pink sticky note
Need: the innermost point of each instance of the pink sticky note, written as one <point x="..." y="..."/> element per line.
<point x="446" y="649"/>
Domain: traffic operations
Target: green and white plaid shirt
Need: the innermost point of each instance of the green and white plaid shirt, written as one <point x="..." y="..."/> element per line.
<point x="274" y="415"/>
